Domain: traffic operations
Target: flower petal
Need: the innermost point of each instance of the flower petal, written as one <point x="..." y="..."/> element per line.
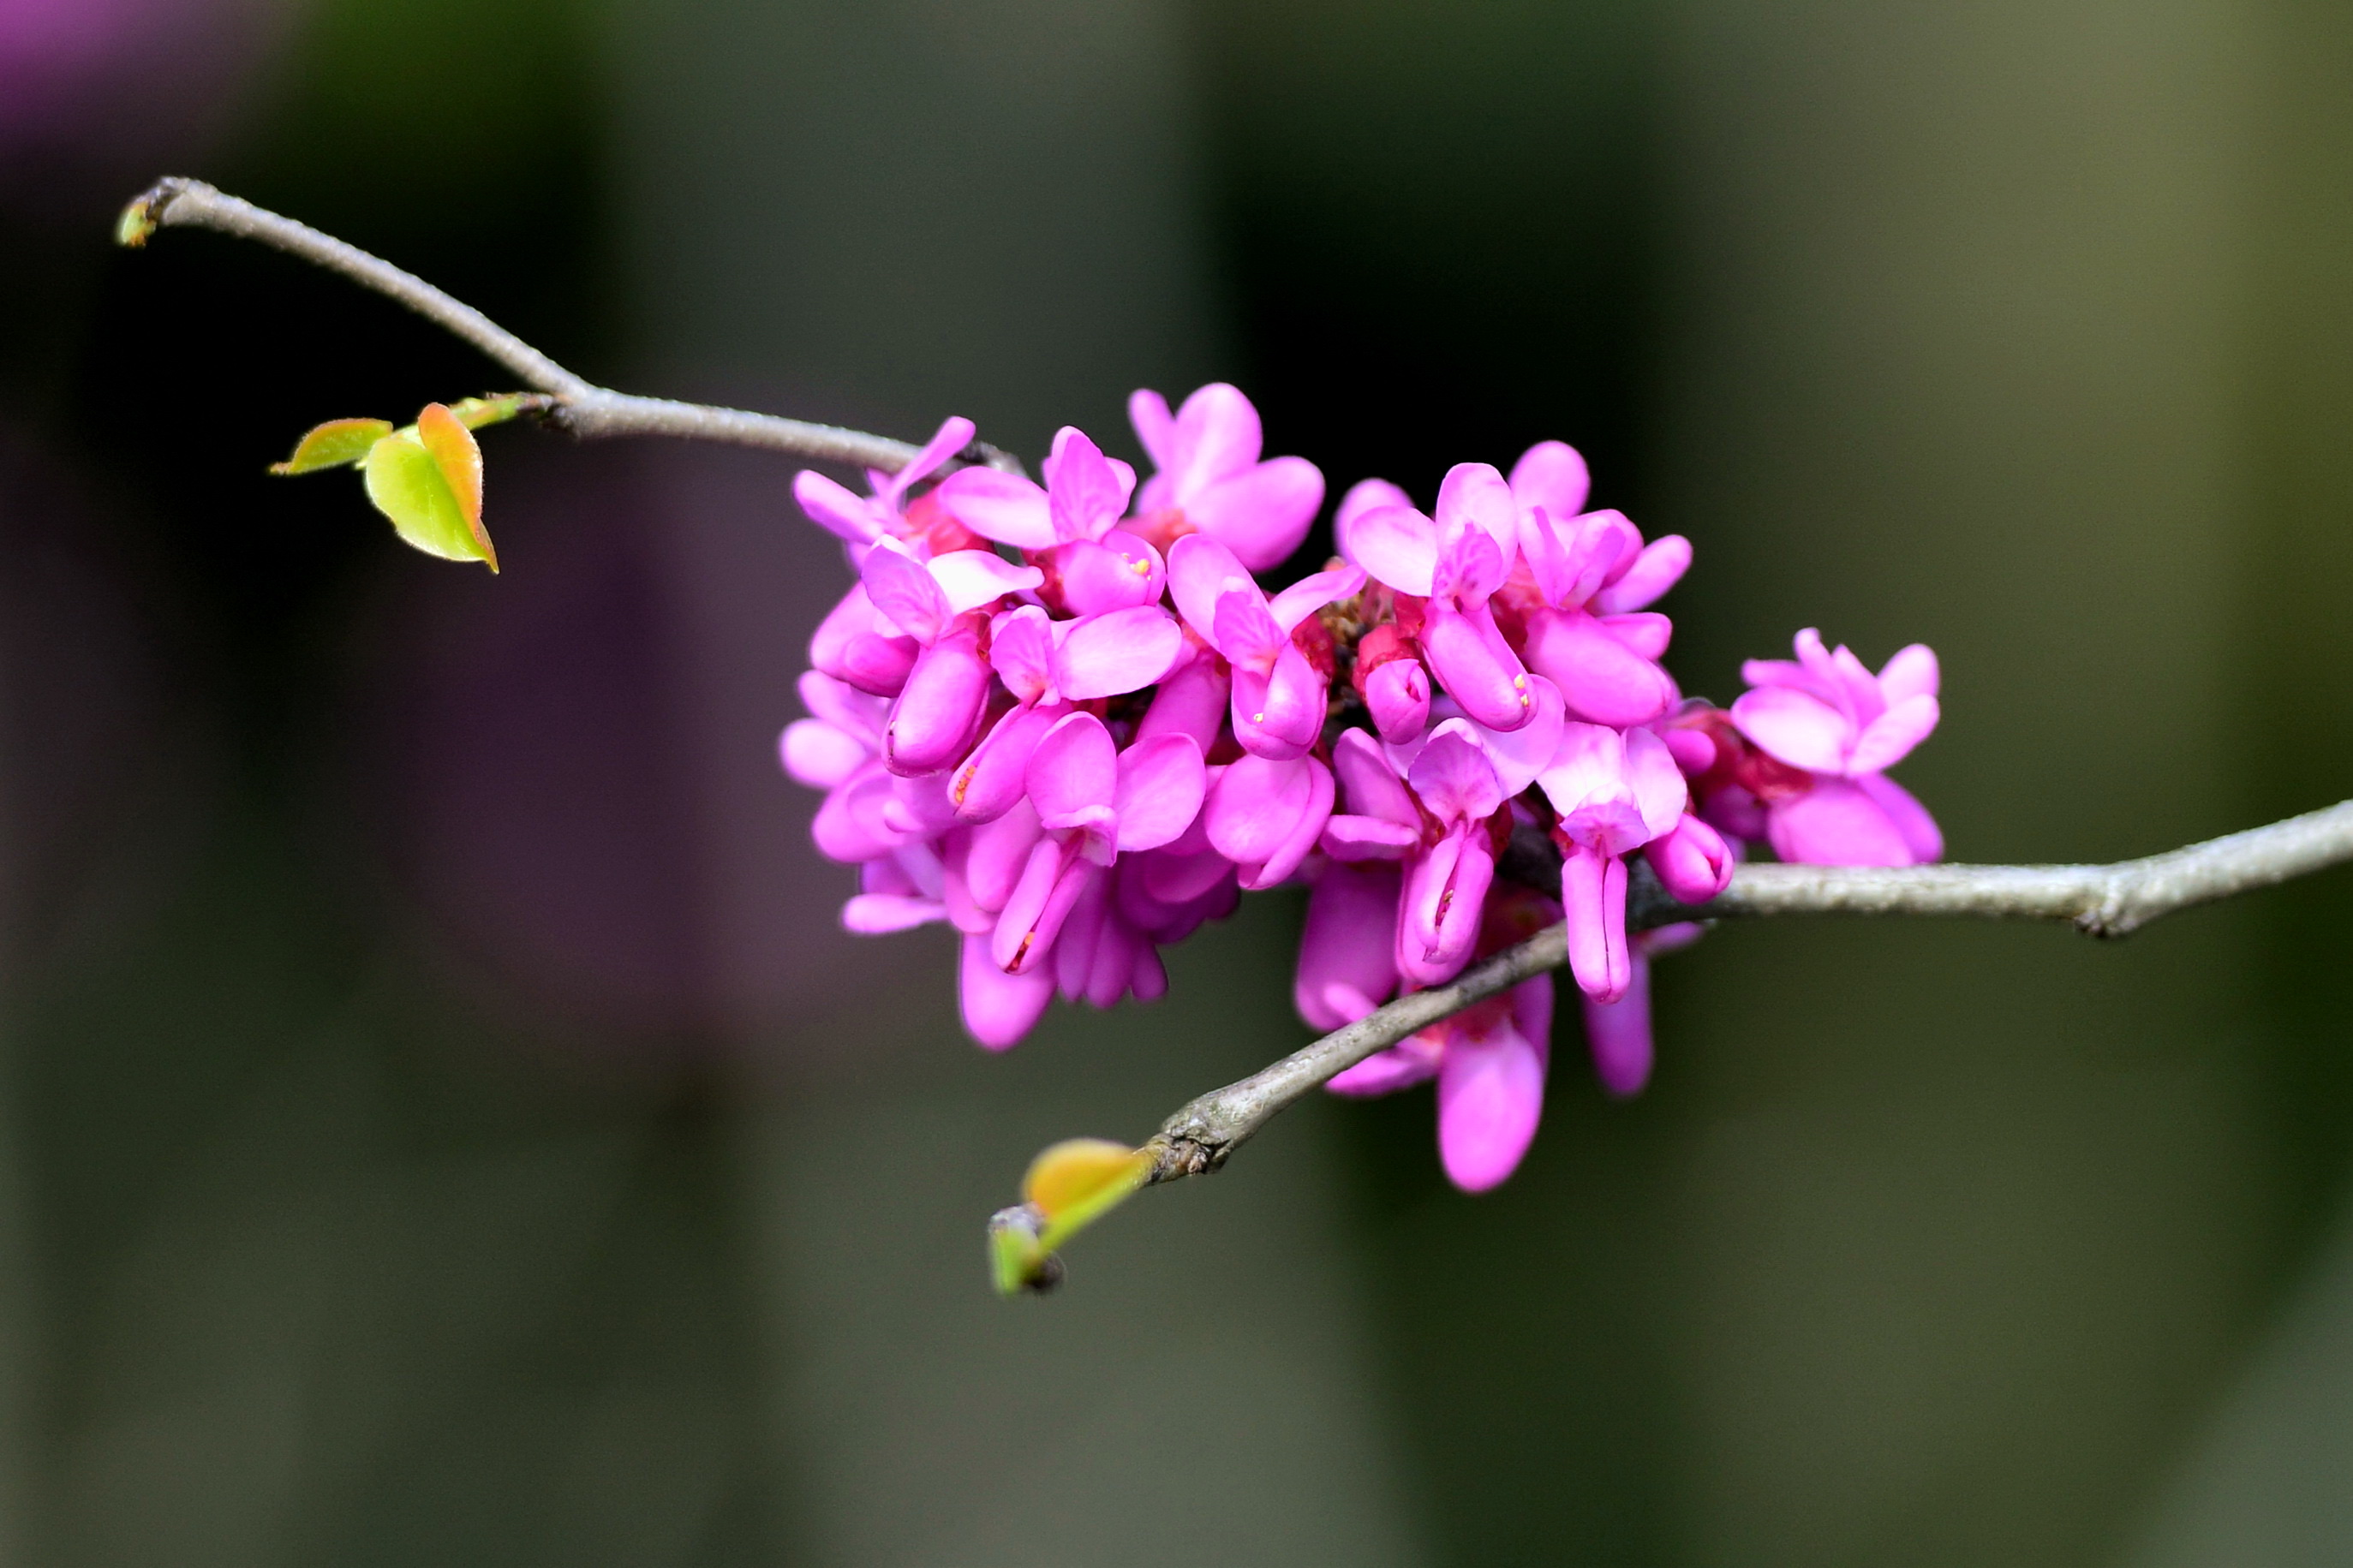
<point x="1911" y="673"/>
<point x="1474" y="495"/>
<point x="878" y="914"/>
<point x="1657" y="784"/>
<point x="1201" y="573"/>
<point x="1262" y="513"/>
<point x="1795" y="727"/>
<point x="1892" y="735"/>
<point x="1346" y="966"/>
<point x="817" y="754"/>
<point x="1364" y="496"/>
<point x="1454" y="776"/>
<point x="1373" y="787"/>
<point x="1156" y="427"/>
<point x="1619" y="1034"/>
<point x="1912" y="824"/>
<point x="1836" y="822"/>
<point x="1311" y="593"/>
<point x="954" y="436"/>
<point x="1602" y="679"/>
<point x="1470" y="658"/>
<point x="1217" y="434"/>
<point x="905" y="594"/>
<point x="1161" y="782"/>
<point x="1108" y="656"/>
<point x="836" y="509"/>
<point x="1552" y="475"/>
<point x="971" y="578"/>
<point x="998" y="1008"/>
<point x="934" y="716"/>
<point x="1593" y="902"/>
<point x="1490" y="1099"/>
<point x="1086" y="491"/>
<point x="1659" y="568"/>
<point x="1074" y="770"/>
<point x="1004" y="507"/>
<point x="1394" y="545"/>
<point x="1384" y="1072"/>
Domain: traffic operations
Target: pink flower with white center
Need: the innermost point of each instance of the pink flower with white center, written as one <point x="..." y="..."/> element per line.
<point x="1456" y="561"/>
<point x="1829" y="715"/>
<point x="1592" y="574"/>
<point x="936" y="603"/>
<point x="1615" y="793"/>
<point x="1208" y="455"/>
<point x="1278" y="700"/>
<point x="1093" y="801"/>
<point x="860" y="520"/>
<point x="1048" y="665"/>
<point x="1489" y="1061"/>
<point x="1072" y="523"/>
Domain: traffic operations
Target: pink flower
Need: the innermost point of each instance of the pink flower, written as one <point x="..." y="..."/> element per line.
<point x="1615" y="793"/>
<point x="1047" y="665"/>
<point x="1278" y="696"/>
<point x="860" y="520"/>
<point x="935" y="603"/>
<point x="1092" y="802"/>
<point x="1348" y="949"/>
<point x="1208" y="455"/>
<point x="1829" y="715"/>
<point x="1618" y="1033"/>
<point x="1456" y="561"/>
<point x="1072" y="523"/>
<point x="1264" y="814"/>
<point x="1489" y="1061"/>
<point x="1693" y="861"/>
<point x="1446" y="884"/>
<point x="1606" y="665"/>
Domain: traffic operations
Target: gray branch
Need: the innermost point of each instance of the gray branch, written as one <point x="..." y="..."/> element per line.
<point x="2100" y="900"/>
<point x="580" y="405"/>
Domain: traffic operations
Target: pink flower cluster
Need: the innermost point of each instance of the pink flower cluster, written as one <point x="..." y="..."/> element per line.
<point x="1069" y="720"/>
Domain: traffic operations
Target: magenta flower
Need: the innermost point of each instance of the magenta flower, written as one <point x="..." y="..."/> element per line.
<point x="1490" y="1062"/>
<point x="1278" y="701"/>
<point x="1615" y="793"/>
<point x="1047" y="665"/>
<point x="1208" y="457"/>
<point x="1348" y="949"/>
<point x="1617" y="1034"/>
<point x="860" y="521"/>
<point x="1264" y="814"/>
<point x="1092" y="802"/>
<point x="1072" y="523"/>
<point x="1605" y="663"/>
<point x="1693" y="861"/>
<point x="936" y="603"/>
<point x="1829" y="716"/>
<point x="1456" y="561"/>
<point x="855" y="645"/>
<point x="1380" y="819"/>
<point x="1446" y="883"/>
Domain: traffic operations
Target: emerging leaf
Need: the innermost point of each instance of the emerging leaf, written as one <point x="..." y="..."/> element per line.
<point x="1074" y="1182"/>
<point x="334" y="444"/>
<point x="475" y="413"/>
<point x="453" y="447"/>
<point x="411" y="484"/>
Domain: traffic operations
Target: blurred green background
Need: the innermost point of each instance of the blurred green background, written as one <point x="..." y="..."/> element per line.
<point x="441" y="1124"/>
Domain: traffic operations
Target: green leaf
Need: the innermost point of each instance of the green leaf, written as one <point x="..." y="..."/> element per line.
<point x="475" y="413"/>
<point x="334" y="444"/>
<point x="1075" y="1182"/>
<point x="407" y="485"/>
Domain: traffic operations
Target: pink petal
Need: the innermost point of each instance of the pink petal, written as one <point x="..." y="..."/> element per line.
<point x="1394" y="545"/>
<point x="1374" y="788"/>
<point x="1265" y="815"/>
<point x="1111" y="573"/>
<point x="1004" y="507"/>
<point x="1161" y="782"/>
<point x="1051" y="883"/>
<point x="1659" y="568"/>
<point x="1693" y="861"/>
<point x="996" y="853"/>
<point x="842" y="705"/>
<point x="998" y="1008"/>
<point x="1454" y="776"/>
<point x="1082" y="933"/>
<point x="1911" y="673"/>
<point x="1279" y="714"/>
<point x="1345" y="963"/>
<point x="1217" y="434"/>
<point x="1364" y="496"/>
<point x="836" y="509"/>
<point x="1311" y="593"/>
<point x="1473" y="495"/>
<point x="1188" y="701"/>
<point x="1384" y="1072"/>
<point x="1470" y="565"/>
<point x="1795" y="727"/>
<point x="905" y="594"/>
<point x="937" y="711"/>
<point x="1398" y="694"/>
<point x="1074" y="768"/>
<point x="1156" y="427"/>
<point x="1836" y="822"/>
<point x="1619" y="1034"/>
<point x="1552" y="475"/>
<point x="1657" y="784"/>
<point x="971" y="578"/>
<point x="1202" y="574"/>
<point x="1355" y="838"/>
<point x="987" y="784"/>
<point x="1244" y="630"/>
<point x="1490" y="1097"/>
<point x="1086" y="491"/>
<point x="857" y="646"/>
<point x="1602" y="679"/>
<point x="1022" y="652"/>
<point x="1590" y="761"/>
<point x="817" y="754"/>
<point x="1912" y="824"/>
<point x="1593" y="902"/>
<point x="1519" y="755"/>
<point x="1477" y="666"/>
<point x="878" y="914"/>
<point x="1693" y="750"/>
<point x="1645" y="636"/>
<point x="1892" y="735"/>
<point x="954" y="436"/>
<point x="849" y="826"/>
<point x="1108" y="656"/>
<point x="1262" y="513"/>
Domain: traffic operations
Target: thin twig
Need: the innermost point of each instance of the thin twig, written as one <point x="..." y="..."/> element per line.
<point x="2102" y="900"/>
<point x="581" y="407"/>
